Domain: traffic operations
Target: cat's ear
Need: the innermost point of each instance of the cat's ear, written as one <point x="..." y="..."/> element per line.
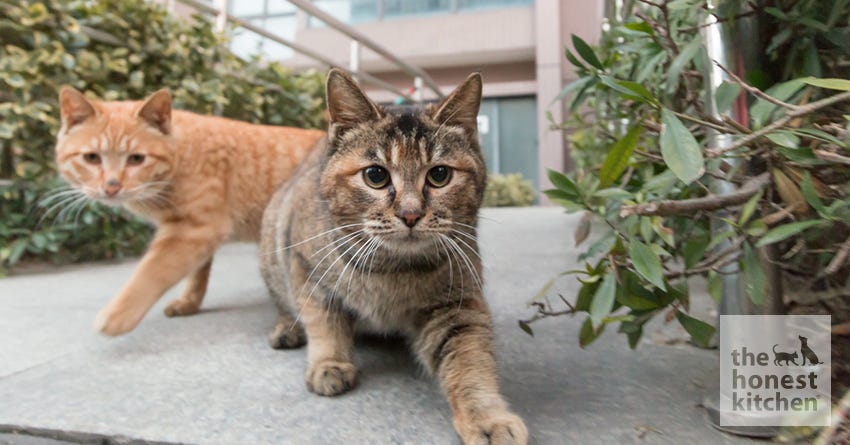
<point x="74" y="107"/>
<point x="461" y="107"/>
<point x="348" y="106"/>
<point x="156" y="111"/>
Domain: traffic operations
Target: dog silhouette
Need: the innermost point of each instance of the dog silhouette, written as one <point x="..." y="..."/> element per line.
<point x="779" y="357"/>
<point x="807" y="352"/>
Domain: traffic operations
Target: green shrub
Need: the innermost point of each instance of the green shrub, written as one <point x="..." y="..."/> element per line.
<point x="509" y="190"/>
<point x="47" y="44"/>
<point x="649" y="163"/>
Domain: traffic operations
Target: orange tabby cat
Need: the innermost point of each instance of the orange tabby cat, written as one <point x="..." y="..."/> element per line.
<point x="202" y="180"/>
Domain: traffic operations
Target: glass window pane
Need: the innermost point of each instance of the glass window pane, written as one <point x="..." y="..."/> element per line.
<point x="280" y="6"/>
<point x="246" y="7"/>
<point x="347" y="11"/>
<point x="480" y="4"/>
<point x="245" y="43"/>
<point x="400" y="8"/>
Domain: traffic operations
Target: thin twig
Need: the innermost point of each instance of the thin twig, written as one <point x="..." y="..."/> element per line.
<point x="801" y="110"/>
<point x="839" y="258"/>
<point x="833" y="157"/>
<point x="753" y="90"/>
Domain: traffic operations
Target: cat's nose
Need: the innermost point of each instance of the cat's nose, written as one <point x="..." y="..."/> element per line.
<point x="112" y="187"/>
<point x="410" y="217"/>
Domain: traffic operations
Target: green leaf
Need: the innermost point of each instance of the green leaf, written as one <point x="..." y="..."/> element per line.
<point x="640" y="27"/>
<point x="685" y="56"/>
<point x="715" y="286"/>
<point x="525" y="327"/>
<point x="563" y="183"/>
<point x="755" y="281"/>
<point x="630" y="90"/>
<point x="586" y="52"/>
<point x="762" y="110"/>
<point x="784" y="139"/>
<point x="679" y="148"/>
<point x="749" y="208"/>
<point x="811" y="195"/>
<point x="573" y="86"/>
<point x="832" y="84"/>
<point x="603" y="299"/>
<point x="618" y="156"/>
<point x="694" y="249"/>
<point x="786" y="231"/>
<point x="726" y="94"/>
<point x="588" y="333"/>
<point x="647" y="263"/>
<point x="701" y="332"/>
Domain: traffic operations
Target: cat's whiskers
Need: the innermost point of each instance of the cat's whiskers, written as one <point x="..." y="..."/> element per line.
<point x="473" y="250"/>
<point x="329" y="268"/>
<point x="466" y="261"/>
<point x="354" y="257"/>
<point x="327" y="232"/>
<point x="64" y="199"/>
<point x="337" y="244"/>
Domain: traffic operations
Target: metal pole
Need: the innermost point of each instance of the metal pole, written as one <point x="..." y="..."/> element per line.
<point x="412" y="70"/>
<point x="354" y="58"/>
<point x="221" y="15"/>
<point x="417" y="89"/>
<point x="364" y="77"/>
<point x="734" y="44"/>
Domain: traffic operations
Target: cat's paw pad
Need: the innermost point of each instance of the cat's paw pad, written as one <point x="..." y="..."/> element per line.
<point x="496" y="428"/>
<point x="116" y="321"/>
<point x="287" y="337"/>
<point x="181" y="307"/>
<point x="331" y="378"/>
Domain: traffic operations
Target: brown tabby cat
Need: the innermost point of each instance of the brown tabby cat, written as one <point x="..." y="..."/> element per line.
<point x="377" y="228"/>
<point x="202" y="180"/>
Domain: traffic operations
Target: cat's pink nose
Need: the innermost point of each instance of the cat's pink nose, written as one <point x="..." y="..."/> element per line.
<point x="112" y="187"/>
<point x="410" y="217"/>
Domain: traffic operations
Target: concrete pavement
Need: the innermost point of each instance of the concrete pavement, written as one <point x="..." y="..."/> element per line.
<point x="212" y="378"/>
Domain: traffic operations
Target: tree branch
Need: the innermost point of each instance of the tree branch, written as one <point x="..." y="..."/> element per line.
<point x="690" y="206"/>
<point x="801" y="110"/>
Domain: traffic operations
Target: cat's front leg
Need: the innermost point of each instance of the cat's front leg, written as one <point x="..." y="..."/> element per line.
<point x="456" y="344"/>
<point x="190" y="302"/>
<point x="330" y="340"/>
<point x="175" y="252"/>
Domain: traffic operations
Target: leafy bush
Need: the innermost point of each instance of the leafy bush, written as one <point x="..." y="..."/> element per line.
<point x="510" y="190"/>
<point x="115" y="49"/>
<point x="649" y="164"/>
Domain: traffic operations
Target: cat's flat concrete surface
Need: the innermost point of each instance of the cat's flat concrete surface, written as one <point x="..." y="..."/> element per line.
<point x="212" y="379"/>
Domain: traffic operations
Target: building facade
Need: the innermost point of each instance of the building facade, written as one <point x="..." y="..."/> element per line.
<point x="518" y="46"/>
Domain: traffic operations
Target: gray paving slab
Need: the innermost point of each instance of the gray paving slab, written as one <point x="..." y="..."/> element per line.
<point x="212" y="379"/>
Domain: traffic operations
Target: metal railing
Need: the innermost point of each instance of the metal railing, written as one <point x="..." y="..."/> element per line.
<point x="420" y="76"/>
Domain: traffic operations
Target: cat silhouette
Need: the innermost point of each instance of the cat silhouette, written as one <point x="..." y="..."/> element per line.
<point x="779" y="357"/>
<point x="807" y="352"/>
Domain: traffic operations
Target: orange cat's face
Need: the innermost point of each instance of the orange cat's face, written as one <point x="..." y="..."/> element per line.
<point x="115" y="152"/>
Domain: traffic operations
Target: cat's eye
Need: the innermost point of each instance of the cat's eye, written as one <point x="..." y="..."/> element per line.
<point x="376" y="177"/>
<point x="91" y="158"/>
<point x="439" y="176"/>
<point x="135" y="159"/>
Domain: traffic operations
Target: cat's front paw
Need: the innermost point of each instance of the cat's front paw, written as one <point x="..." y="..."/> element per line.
<point x="181" y="307"/>
<point x="115" y="320"/>
<point x="497" y="427"/>
<point x="331" y="377"/>
<point x="287" y="336"/>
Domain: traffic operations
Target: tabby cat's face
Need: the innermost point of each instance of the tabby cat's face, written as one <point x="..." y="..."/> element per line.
<point x="115" y="152"/>
<point x="408" y="175"/>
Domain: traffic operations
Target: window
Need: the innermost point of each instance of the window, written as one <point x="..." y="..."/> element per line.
<point x="360" y="11"/>
<point x="277" y="16"/>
